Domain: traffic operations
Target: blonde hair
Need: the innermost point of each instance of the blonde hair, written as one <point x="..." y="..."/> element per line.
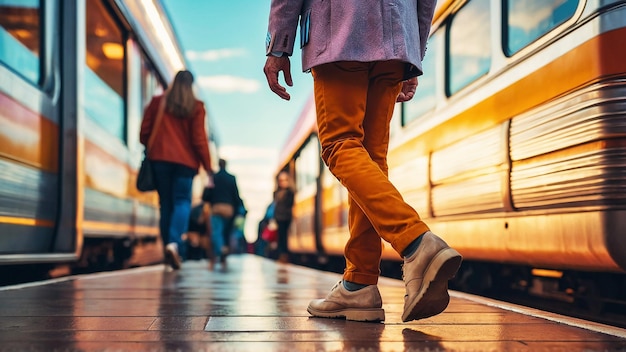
<point x="181" y="101"/>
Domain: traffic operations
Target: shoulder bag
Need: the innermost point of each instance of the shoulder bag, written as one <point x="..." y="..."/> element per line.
<point x="145" y="177"/>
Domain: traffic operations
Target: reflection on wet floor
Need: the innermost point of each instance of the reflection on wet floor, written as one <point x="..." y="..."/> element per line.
<point x="255" y="305"/>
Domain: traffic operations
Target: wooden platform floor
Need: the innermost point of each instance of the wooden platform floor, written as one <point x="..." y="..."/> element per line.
<point x="259" y="305"/>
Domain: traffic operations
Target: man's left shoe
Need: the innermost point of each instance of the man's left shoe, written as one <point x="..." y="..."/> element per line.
<point x="426" y="273"/>
<point x="361" y="305"/>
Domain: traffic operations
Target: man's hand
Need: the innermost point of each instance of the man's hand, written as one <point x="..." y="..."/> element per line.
<point x="408" y="90"/>
<point x="273" y="65"/>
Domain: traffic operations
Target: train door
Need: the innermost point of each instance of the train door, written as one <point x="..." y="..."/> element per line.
<point x="307" y="207"/>
<point x="318" y="227"/>
<point x="37" y="131"/>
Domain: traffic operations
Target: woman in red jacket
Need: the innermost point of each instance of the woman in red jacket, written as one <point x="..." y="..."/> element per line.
<point x="178" y="148"/>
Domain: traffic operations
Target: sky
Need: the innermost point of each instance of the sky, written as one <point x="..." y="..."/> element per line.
<point x="224" y="45"/>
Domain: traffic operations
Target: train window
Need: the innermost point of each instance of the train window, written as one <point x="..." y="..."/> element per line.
<point x="307" y="165"/>
<point x="104" y="71"/>
<point x="529" y="20"/>
<point x="20" y="33"/>
<point x="150" y="85"/>
<point x="134" y="95"/>
<point x="424" y="99"/>
<point x="141" y="87"/>
<point x="469" y="45"/>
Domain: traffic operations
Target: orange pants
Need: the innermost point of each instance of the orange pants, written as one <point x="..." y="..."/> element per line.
<point x="355" y="102"/>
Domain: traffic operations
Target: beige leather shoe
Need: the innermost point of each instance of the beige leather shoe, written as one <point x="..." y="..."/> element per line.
<point x="361" y="305"/>
<point x="426" y="274"/>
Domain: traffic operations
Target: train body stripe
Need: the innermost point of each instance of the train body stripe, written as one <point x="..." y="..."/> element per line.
<point x="27" y="137"/>
<point x="107" y="227"/>
<point x="25" y="221"/>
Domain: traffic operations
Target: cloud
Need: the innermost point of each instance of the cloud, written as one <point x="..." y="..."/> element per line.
<point x="214" y="55"/>
<point x="228" y="84"/>
<point x="234" y="153"/>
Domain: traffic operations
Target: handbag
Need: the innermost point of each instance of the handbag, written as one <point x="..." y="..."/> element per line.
<point x="145" y="177"/>
<point x="270" y="232"/>
<point x="269" y="235"/>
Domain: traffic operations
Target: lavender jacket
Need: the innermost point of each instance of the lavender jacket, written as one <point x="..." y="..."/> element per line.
<point x="352" y="30"/>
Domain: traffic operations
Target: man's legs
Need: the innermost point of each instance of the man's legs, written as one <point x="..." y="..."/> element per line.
<point x="218" y="224"/>
<point x="354" y="104"/>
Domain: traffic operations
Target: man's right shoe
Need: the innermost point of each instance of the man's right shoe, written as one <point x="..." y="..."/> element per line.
<point x="426" y="273"/>
<point x="171" y="256"/>
<point x="361" y="305"/>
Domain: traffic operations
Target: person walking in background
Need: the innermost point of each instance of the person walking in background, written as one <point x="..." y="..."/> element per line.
<point x="265" y="244"/>
<point x="238" y="243"/>
<point x="180" y="145"/>
<point x="364" y="56"/>
<point x="225" y="201"/>
<point x="199" y="232"/>
<point x="283" y="213"/>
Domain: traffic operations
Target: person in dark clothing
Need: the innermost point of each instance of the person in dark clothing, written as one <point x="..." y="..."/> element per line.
<point x="283" y="213"/>
<point x="225" y="201"/>
<point x="237" y="239"/>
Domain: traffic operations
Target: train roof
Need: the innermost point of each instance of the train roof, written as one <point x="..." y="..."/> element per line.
<point x="152" y="25"/>
<point x="441" y="8"/>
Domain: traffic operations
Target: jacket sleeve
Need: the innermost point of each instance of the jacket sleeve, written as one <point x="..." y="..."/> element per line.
<point x="425" y="12"/>
<point x="283" y="23"/>
<point x="148" y="121"/>
<point x="236" y="196"/>
<point x="199" y="139"/>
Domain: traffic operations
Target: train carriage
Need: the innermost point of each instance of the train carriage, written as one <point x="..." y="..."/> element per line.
<point x="75" y="77"/>
<point x="512" y="150"/>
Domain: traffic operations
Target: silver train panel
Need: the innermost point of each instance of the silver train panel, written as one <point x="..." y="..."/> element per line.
<point x="555" y="160"/>
<point x="27" y="192"/>
<point x="470" y="176"/>
<point x="101" y="207"/>
<point x="596" y="112"/>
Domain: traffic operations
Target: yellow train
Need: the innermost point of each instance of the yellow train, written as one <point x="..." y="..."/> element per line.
<point x="74" y="79"/>
<point x="513" y="149"/>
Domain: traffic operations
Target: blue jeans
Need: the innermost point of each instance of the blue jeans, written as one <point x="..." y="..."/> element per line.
<point x="219" y="227"/>
<point x="173" y="183"/>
